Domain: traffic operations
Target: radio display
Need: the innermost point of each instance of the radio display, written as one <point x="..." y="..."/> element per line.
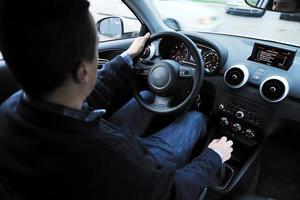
<point x="272" y="56"/>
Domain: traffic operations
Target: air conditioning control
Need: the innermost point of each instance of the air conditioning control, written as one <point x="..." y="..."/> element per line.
<point x="240" y="114"/>
<point x="236" y="76"/>
<point x="221" y="107"/>
<point x="249" y="133"/>
<point x="224" y="121"/>
<point x="236" y="127"/>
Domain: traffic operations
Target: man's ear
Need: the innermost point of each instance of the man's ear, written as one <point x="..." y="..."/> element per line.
<point x="82" y="74"/>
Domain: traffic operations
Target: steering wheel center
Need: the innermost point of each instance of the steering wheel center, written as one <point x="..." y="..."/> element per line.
<point x="162" y="77"/>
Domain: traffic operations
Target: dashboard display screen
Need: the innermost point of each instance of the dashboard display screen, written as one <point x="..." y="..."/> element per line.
<point x="273" y="56"/>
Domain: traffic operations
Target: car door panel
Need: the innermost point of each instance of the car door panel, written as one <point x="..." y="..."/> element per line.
<point x="107" y="51"/>
<point x="110" y="49"/>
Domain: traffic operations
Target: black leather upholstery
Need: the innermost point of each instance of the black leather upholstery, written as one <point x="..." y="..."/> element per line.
<point x="254" y="197"/>
<point x="8" y="85"/>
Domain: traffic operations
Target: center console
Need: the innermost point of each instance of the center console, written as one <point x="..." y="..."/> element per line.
<point x="242" y="118"/>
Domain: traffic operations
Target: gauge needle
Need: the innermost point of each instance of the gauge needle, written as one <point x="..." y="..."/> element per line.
<point x="207" y="62"/>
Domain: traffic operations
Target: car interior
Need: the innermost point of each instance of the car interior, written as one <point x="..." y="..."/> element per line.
<point x="248" y="88"/>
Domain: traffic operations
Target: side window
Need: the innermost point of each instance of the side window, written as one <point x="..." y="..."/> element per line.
<point x="114" y="20"/>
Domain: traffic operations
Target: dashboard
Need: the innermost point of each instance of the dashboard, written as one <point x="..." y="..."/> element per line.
<point x="254" y="84"/>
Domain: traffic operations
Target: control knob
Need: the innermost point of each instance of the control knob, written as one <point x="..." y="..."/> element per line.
<point x="221" y="107"/>
<point x="249" y="133"/>
<point x="236" y="127"/>
<point x="240" y="114"/>
<point x="224" y="121"/>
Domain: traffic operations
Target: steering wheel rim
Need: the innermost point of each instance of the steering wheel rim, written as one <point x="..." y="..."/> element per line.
<point x="197" y="76"/>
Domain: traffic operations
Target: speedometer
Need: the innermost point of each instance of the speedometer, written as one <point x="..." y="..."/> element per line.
<point x="211" y="61"/>
<point x="179" y="52"/>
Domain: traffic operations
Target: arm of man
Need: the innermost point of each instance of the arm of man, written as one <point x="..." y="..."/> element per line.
<point x="136" y="175"/>
<point x="114" y="74"/>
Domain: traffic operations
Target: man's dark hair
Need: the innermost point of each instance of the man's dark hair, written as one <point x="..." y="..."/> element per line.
<point x="44" y="41"/>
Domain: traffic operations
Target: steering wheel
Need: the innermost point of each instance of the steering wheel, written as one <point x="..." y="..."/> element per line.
<point x="164" y="77"/>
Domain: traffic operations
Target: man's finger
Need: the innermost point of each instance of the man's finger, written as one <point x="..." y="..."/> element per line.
<point x="214" y="141"/>
<point x="229" y="143"/>
<point x="224" y="138"/>
<point x="147" y="35"/>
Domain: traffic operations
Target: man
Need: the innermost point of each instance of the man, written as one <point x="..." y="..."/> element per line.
<point x="52" y="147"/>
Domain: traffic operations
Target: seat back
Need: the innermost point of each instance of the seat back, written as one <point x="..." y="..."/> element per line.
<point x="8" y="84"/>
<point x="5" y="193"/>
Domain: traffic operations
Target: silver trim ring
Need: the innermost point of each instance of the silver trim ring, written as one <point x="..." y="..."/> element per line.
<point x="246" y="76"/>
<point x="152" y="52"/>
<point x="279" y="78"/>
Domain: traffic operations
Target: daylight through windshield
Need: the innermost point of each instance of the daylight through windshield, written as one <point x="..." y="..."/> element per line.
<point x="232" y="17"/>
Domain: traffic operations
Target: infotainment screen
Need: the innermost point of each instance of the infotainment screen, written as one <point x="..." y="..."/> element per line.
<point x="273" y="56"/>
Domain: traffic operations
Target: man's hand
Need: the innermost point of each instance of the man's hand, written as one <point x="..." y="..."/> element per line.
<point x="222" y="147"/>
<point x="137" y="46"/>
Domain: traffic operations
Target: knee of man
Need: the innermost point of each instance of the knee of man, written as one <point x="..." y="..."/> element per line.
<point x="198" y="117"/>
<point x="147" y="96"/>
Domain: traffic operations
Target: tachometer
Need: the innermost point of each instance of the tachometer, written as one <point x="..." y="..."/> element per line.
<point x="211" y="61"/>
<point x="179" y="52"/>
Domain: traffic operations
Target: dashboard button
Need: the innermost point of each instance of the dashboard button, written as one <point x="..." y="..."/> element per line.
<point x="249" y="133"/>
<point x="236" y="127"/>
<point x="224" y="121"/>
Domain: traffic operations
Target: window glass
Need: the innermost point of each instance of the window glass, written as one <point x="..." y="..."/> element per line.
<point x="233" y="17"/>
<point x="115" y="20"/>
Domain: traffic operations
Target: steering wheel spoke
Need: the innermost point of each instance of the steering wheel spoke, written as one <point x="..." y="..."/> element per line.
<point x="186" y="72"/>
<point x="142" y="67"/>
<point x="162" y="101"/>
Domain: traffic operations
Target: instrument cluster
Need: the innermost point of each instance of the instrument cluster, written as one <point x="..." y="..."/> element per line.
<point x="176" y="50"/>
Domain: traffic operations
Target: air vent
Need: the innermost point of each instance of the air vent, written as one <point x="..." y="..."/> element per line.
<point x="274" y="89"/>
<point x="236" y="76"/>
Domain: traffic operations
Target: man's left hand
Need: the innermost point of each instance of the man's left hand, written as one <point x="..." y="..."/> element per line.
<point x="137" y="46"/>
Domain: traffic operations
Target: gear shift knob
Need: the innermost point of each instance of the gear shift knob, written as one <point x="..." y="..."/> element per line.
<point x="223" y="176"/>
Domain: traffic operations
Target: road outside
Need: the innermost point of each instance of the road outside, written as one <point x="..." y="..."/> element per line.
<point x="269" y="26"/>
<point x="190" y="12"/>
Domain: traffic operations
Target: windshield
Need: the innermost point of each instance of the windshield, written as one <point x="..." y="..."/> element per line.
<point x="232" y="17"/>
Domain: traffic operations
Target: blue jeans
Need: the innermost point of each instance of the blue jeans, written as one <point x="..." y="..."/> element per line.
<point x="173" y="143"/>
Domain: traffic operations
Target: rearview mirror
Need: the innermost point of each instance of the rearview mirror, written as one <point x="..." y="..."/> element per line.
<point x="111" y="27"/>
<point x="276" y="5"/>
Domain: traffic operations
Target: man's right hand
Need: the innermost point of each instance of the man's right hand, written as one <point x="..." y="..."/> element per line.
<point x="222" y="147"/>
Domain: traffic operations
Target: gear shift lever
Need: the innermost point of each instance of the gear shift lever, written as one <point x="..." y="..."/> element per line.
<point x="223" y="176"/>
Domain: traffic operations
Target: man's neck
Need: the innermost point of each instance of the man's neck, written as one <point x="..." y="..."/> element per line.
<point x="68" y="99"/>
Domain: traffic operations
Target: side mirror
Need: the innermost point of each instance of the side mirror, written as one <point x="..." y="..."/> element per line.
<point x="111" y="27"/>
<point x="276" y="5"/>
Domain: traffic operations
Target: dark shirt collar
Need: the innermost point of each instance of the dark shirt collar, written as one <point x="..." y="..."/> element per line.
<point x="86" y="114"/>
